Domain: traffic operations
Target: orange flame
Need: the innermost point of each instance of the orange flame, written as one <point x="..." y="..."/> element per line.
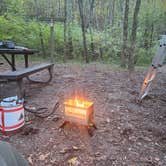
<point x="78" y="103"/>
<point x="77" y="108"/>
<point x="148" y="79"/>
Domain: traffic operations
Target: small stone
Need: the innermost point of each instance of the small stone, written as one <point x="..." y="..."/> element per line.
<point x="147" y="139"/>
<point x="108" y="120"/>
<point x="97" y="154"/>
<point x="132" y="138"/>
<point x="63" y="151"/>
<point x="75" y="147"/>
<point x="139" y="143"/>
<point x="157" y="159"/>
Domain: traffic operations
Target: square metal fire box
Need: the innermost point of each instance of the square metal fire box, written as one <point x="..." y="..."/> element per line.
<point x="79" y="111"/>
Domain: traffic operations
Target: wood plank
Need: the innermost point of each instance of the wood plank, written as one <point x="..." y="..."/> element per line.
<point x="18" y="51"/>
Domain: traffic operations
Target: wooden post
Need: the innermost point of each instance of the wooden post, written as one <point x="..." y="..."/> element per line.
<point x="52" y="49"/>
<point x="52" y="21"/>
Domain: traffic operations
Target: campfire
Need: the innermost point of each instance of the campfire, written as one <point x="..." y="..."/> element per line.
<point x="79" y="111"/>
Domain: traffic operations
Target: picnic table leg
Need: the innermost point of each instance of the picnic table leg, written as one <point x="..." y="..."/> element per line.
<point x="21" y="88"/>
<point x="13" y="62"/>
<point x="50" y="71"/>
<point x="26" y="60"/>
<point x="9" y="62"/>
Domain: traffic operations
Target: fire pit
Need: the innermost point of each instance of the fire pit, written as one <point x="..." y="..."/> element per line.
<point x="79" y="111"/>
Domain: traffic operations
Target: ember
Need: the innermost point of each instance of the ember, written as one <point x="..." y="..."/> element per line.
<point x="79" y="111"/>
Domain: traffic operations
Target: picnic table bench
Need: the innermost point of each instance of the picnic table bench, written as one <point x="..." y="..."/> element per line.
<point x="21" y="73"/>
<point x="17" y="74"/>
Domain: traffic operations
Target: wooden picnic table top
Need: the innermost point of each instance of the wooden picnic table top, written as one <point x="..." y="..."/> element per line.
<point x="17" y="51"/>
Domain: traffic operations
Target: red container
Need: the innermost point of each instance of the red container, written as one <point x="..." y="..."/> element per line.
<point x="11" y="118"/>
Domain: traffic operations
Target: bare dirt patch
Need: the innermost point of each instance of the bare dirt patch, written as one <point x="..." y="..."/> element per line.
<point x="128" y="133"/>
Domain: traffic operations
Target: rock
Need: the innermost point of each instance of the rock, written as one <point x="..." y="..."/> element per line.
<point x="157" y="159"/>
<point x="108" y="120"/>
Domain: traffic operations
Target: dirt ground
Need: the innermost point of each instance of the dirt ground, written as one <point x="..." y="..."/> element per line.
<point x="128" y="133"/>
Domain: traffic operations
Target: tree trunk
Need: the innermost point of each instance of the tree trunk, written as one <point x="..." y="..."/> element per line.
<point x="91" y="2"/>
<point x="96" y="19"/>
<point x="52" y="49"/>
<point x="40" y="30"/>
<point x="121" y="12"/>
<point x="146" y="38"/>
<point x="85" y="53"/>
<point x="70" y="43"/>
<point x="113" y="13"/>
<point x="65" y="29"/>
<point x="59" y="7"/>
<point x="69" y="30"/>
<point x="133" y="36"/>
<point x="125" y="35"/>
<point x="151" y="35"/>
<point x="42" y="41"/>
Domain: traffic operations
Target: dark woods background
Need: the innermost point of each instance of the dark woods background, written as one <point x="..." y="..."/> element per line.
<point x="123" y="32"/>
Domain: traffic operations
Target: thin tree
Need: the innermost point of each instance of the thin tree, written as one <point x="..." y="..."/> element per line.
<point x="125" y="34"/>
<point x="112" y="13"/>
<point x="52" y="47"/>
<point x="133" y="36"/>
<point x="65" y="29"/>
<point x="91" y="2"/>
<point x="69" y="29"/>
<point x="40" y="29"/>
<point x="85" y="52"/>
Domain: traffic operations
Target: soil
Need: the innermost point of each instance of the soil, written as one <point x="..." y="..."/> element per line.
<point x="128" y="133"/>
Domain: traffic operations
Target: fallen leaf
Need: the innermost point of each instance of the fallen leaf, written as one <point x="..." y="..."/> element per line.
<point x="75" y="147"/>
<point x="30" y="159"/>
<point x="63" y="151"/>
<point x="43" y="157"/>
<point x="72" y="161"/>
<point x="108" y="120"/>
<point x="157" y="159"/>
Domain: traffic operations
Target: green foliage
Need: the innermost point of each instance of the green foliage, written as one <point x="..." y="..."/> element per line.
<point x="18" y="23"/>
<point x="145" y="56"/>
<point x="16" y="29"/>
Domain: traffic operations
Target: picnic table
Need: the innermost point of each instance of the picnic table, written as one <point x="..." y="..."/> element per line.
<point x="4" y="52"/>
<point x="17" y="74"/>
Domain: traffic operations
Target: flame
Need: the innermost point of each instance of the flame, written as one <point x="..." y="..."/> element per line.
<point x="147" y="82"/>
<point x="150" y="77"/>
<point x="78" y="103"/>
